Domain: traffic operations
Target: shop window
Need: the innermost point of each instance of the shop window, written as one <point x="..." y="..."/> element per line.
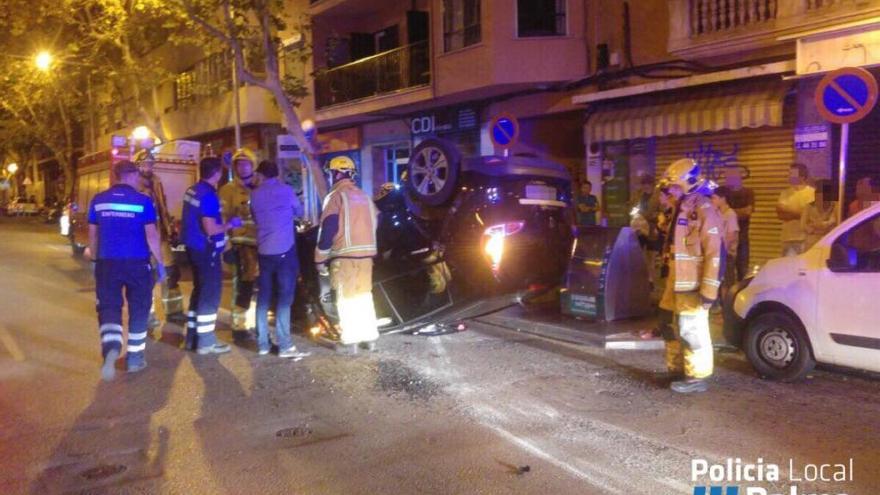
<point x="395" y="159"/>
<point x="540" y="18"/>
<point x="184" y="89"/>
<point x="461" y="24"/>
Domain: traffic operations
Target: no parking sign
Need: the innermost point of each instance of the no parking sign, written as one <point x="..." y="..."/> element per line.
<point x="845" y="96"/>
<point x="504" y="130"/>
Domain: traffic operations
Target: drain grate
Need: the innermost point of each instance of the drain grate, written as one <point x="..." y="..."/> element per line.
<point x="103" y="471"/>
<point x="295" y="432"/>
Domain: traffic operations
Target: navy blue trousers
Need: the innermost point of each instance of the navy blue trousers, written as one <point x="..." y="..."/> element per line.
<point x="205" y="299"/>
<point x="116" y="282"/>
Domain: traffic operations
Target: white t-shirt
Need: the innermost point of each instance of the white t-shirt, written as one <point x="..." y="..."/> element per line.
<point x="795" y="200"/>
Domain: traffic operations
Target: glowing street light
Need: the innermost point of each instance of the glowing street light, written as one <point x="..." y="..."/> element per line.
<point x="141" y="133"/>
<point x="44" y="60"/>
<point x="12" y="168"/>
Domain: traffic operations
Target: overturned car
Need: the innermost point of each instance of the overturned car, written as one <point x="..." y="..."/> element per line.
<point x="458" y="238"/>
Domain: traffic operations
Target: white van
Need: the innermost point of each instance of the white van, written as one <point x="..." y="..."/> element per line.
<point x="822" y="306"/>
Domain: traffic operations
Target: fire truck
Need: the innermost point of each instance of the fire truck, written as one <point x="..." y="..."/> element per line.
<point x="176" y="165"/>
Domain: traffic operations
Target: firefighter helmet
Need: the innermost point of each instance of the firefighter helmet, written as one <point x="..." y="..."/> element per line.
<point x="685" y="173"/>
<point x="144" y="155"/>
<point x="244" y="154"/>
<point x="341" y="164"/>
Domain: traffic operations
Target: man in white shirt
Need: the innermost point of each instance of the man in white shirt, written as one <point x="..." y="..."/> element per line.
<point x="790" y="207"/>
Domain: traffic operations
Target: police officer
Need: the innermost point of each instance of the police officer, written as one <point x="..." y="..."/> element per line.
<point x="347" y="242"/>
<point x="235" y="198"/>
<point x="168" y="293"/>
<point x="122" y="235"/>
<point x="204" y="235"/>
<point x="696" y="262"/>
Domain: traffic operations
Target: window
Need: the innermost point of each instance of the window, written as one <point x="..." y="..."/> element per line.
<point x="461" y="23"/>
<point x="184" y="89"/>
<point x="859" y="249"/>
<point x="395" y="159"/>
<point x="540" y="18"/>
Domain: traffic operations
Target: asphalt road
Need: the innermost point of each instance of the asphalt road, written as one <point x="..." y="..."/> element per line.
<point x="486" y="410"/>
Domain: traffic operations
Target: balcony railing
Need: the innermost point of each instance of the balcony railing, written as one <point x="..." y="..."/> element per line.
<point x="716" y="28"/>
<point x="383" y="73"/>
<point x="709" y="16"/>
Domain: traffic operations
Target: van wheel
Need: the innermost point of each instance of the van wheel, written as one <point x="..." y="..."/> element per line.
<point x="778" y="347"/>
<point x="432" y="171"/>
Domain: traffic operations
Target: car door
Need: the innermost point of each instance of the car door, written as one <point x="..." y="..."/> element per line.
<point x="848" y="306"/>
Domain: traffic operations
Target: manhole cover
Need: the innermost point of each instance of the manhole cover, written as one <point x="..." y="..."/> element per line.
<point x="295" y="432"/>
<point x="103" y="471"/>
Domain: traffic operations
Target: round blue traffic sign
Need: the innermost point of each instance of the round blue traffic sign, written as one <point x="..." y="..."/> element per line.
<point x="504" y="130"/>
<point x="846" y="95"/>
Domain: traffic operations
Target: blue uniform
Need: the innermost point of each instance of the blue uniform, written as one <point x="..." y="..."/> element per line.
<point x="122" y="262"/>
<point x="201" y="201"/>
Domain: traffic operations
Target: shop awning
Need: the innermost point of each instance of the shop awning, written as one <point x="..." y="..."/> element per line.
<point x="752" y="104"/>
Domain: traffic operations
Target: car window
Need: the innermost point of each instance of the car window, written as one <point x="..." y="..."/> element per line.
<point x="863" y="241"/>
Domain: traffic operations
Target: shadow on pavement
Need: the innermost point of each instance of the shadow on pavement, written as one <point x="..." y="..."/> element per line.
<point x="111" y="446"/>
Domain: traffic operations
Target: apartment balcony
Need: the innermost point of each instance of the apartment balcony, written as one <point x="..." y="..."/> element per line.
<point x="707" y="29"/>
<point x="385" y="73"/>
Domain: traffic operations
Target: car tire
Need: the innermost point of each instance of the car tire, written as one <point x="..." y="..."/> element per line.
<point x="432" y="171"/>
<point x="778" y="347"/>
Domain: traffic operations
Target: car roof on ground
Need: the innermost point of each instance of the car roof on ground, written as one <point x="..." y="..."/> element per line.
<point x="516" y="165"/>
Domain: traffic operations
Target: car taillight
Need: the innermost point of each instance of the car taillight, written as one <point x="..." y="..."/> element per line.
<point x="494" y="245"/>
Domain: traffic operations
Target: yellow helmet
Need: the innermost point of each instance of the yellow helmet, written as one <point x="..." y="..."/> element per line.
<point x="144" y="155"/>
<point x="342" y="164"/>
<point x="244" y="154"/>
<point x="685" y="173"/>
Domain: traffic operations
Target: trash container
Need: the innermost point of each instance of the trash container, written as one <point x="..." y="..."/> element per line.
<point x="607" y="277"/>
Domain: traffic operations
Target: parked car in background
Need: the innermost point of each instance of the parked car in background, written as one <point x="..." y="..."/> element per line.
<point x="23" y="207"/>
<point x="820" y="306"/>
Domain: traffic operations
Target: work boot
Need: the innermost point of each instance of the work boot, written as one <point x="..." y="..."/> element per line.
<point x="368" y="346"/>
<point x="346" y="349"/>
<point x="178" y="317"/>
<point x="239" y="320"/>
<point x="689" y="386"/>
<point x="135" y="365"/>
<point x="218" y="348"/>
<point x="108" y="370"/>
<point x="153" y="322"/>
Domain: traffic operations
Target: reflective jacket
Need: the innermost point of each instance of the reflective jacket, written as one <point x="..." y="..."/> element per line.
<point x="697" y="248"/>
<point x="236" y="200"/>
<point x="348" y="224"/>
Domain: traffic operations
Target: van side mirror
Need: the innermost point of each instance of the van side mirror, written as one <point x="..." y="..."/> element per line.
<point x="843" y="258"/>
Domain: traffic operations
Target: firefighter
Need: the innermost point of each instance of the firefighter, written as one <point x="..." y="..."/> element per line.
<point x="204" y="235"/>
<point x="347" y="243"/>
<point x="235" y="197"/>
<point x="696" y="262"/>
<point x="167" y="294"/>
<point x="122" y="236"/>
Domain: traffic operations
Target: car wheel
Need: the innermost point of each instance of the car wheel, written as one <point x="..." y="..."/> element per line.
<point x="777" y="346"/>
<point x="432" y="171"/>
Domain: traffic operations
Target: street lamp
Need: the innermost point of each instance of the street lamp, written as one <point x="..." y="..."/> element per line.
<point x="43" y="60"/>
<point x="141" y="133"/>
<point x="12" y="168"/>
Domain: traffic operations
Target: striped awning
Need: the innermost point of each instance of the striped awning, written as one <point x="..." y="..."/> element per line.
<point x="692" y="112"/>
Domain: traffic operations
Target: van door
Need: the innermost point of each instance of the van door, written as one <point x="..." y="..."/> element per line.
<point x="849" y="306"/>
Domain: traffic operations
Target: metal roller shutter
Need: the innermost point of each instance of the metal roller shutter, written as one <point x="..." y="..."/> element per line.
<point x="767" y="153"/>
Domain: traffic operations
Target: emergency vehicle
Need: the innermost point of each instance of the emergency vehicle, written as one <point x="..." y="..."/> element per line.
<point x="176" y="165"/>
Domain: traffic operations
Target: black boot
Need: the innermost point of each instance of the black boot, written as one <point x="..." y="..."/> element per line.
<point x="689" y="386"/>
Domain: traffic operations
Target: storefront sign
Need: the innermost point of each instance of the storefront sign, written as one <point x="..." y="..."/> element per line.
<point x="287" y="147"/>
<point x="339" y="140"/>
<point x="811" y="137"/>
<point x="445" y="121"/>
